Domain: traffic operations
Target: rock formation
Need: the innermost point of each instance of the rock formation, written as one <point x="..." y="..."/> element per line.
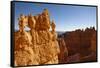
<point x="82" y="42"/>
<point x="63" y="51"/>
<point x="38" y="45"/>
<point x="41" y="44"/>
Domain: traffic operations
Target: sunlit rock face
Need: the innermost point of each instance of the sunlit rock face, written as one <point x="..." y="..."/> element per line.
<point x="42" y="45"/>
<point x="39" y="45"/>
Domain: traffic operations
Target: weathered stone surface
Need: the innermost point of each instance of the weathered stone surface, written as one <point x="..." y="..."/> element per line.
<point x="38" y="45"/>
<point x="63" y="51"/>
<point x="42" y="45"/>
<point x="81" y="42"/>
<point x="22" y="22"/>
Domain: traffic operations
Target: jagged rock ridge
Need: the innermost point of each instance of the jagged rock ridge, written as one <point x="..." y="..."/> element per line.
<point x="81" y="45"/>
<point x="38" y="45"/>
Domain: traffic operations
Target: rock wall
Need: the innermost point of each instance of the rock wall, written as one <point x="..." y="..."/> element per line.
<point x="82" y="42"/>
<point x="63" y="51"/>
<point x="78" y="46"/>
<point x="38" y="45"/>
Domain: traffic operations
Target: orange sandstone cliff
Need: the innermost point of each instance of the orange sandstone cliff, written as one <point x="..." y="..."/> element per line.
<point x="38" y="45"/>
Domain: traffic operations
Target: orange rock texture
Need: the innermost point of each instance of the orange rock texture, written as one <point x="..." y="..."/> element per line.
<point x="39" y="45"/>
<point x="42" y="45"/>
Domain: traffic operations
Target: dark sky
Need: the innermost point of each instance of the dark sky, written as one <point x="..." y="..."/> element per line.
<point x="66" y="17"/>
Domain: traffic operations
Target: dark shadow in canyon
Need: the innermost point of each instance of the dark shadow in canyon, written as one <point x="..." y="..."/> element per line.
<point x="78" y="46"/>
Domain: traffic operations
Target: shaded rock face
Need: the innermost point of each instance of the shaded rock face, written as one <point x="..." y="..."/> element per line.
<point x="63" y="51"/>
<point x="78" y="46"/>
<point x="82" y="43"/>
<point x="38" y="45"/>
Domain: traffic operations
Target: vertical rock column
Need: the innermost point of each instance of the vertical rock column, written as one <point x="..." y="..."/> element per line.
<point x="38" y="45"/>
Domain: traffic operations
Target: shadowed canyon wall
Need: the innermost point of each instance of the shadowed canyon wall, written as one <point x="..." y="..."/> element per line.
<point x="80" y="44"/>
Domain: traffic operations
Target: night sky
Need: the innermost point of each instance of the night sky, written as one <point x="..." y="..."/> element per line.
<point x="66" y="17"/>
